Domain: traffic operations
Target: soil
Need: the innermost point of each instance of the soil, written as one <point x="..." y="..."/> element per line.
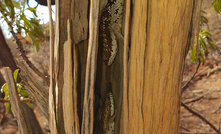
<point x="203" y="94"/>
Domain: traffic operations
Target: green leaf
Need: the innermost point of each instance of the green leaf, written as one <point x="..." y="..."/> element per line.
<point x="19" y="87"/>
<point x="10" y="6"/>
<point x="16" y="4"/>
<point x="16" y="74"/>
<point x="217" y="6"/>
<point x="207" y="32"/>
<point x="193" y="55"/>
<point x="212" y="45"/>
<point x="24" y="93"/>
<point x="37" y="29"/>
<point x="8" y="107"/>
<point x="202" y="11"/>
<point x="29" y="104"/>
<point x="34" y="41"/>
<point x="6" y="95"/>
<point x="36" y="44"/>
<point x="201" y="57"/>
<point x="4" y="88"/>
<point x="23" y="3"/>
<point x="203" y="44"/>
<point x="204" y="20"/>
<point x="26" y="22"/>
<point x="33" y="10"/>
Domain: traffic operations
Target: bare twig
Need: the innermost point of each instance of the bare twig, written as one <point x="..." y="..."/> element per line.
<point x="201" y="117"/>
<point x="202" y="72"/>
<point x="194" y="100"/>
<point x="22" y="51"/>
<point x="186" y="85"/>
<point x="213" y="70"/>
<point x="22" y="100"/>
<point x="184" y="129"/>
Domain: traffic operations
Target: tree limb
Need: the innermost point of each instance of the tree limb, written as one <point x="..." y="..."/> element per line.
<point x="201" y="117"/>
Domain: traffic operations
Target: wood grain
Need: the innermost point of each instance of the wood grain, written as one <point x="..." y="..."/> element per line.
<point x="159" y="33"/>
<point x="91" y="68"/>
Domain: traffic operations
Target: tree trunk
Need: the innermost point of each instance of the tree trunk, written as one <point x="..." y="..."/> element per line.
<point x="157" y="34"/>
<point x="6" y="58"/>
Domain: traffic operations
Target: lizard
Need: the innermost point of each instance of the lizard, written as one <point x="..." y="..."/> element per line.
<point x="107" y="113"/>
<point x="110" y="35"/>
<point x="110" y="29"/>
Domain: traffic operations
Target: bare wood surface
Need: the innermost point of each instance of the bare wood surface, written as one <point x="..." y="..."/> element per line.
<point x="159" y="33"/>
<point x="38" y="89"/>
<point x="76" y="95"/>
<point x="124" y="114"/>
<point x="68" y="92"/>
<point x="77" y="12"/>
<point x="52" y="120"/>
<point x="23" y="122"/>
<point x="196" y="14"/>
<point x="88" y="109"/>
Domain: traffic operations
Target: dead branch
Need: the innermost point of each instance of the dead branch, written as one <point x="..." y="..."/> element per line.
<point x="195" y="100"/>
<point x="201" y="117"/>
<point x="186" y="85"/>
<point x="22" y="119"/>
<point x="184" y="129"/>
<point x="210" y="71"/>
<point x="22" y="100"/>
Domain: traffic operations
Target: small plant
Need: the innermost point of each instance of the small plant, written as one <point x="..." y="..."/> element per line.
<point x="204" y="38"/>
<point x="21" y="91"/>
<point x="203" y="41"/>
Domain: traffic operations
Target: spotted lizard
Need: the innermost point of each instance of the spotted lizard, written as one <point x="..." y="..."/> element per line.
<point x="110" y="29"/>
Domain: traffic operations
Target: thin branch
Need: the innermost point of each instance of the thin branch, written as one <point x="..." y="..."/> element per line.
<point x="22" y="51"/>
<point x="213" y="70"/>
<point x="187" y="84"/>
<point x="22" y="100"/>
<point x="194" y="100"/>
<point x="201" y="117"/>
<point x="184" y="129"/>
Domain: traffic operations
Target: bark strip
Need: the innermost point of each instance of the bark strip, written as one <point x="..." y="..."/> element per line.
<point x="52" y="120"/>
<point x="22" y="119"/>
<point x="88" y="110"/>
<point x="124" y="114"/>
